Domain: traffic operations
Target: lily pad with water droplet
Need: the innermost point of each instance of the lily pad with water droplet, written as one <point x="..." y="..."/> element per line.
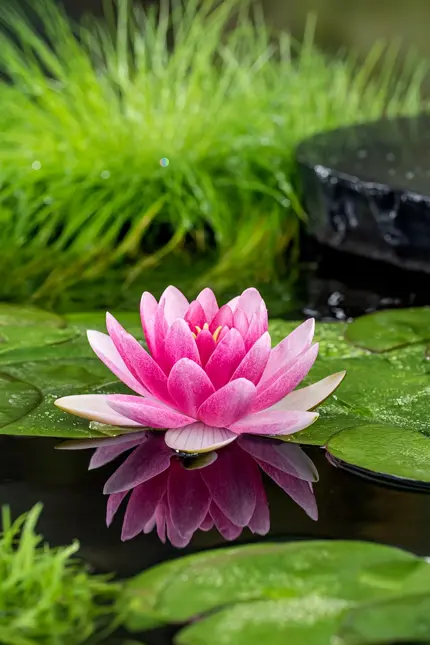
<point x="272" y="593"/>
<point x="398" y="620"/>
<point x="17" y="338"/>
<point x="56" y="380"/>
<point x="384" y="449"/>
<point x="385" y="330"/>
<point x="17" y="399"/>
<point x="391" y="394"/>
<point x="17" y="316"/>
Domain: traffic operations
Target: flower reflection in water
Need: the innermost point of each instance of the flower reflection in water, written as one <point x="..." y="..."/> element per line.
<point x="178" y="494"/>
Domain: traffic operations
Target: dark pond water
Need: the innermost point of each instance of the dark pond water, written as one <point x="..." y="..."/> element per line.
<point x="350" y="507"/>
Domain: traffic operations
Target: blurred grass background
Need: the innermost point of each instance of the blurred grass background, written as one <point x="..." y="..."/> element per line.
<point x="89" y="218"/>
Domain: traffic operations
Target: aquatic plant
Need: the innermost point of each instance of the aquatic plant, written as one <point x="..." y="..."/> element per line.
<point x="308" y="592"/>
<point x="210" y="375"/>
<point x="46" y="594"/>
<point x="87" y="113"/>
<point x="178" y="494"/>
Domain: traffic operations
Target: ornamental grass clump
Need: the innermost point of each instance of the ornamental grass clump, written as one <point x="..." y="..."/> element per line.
<point x="46" y="594"/>
<point x="88" y="112"/>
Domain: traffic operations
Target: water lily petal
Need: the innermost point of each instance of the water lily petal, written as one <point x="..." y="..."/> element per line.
<point x="277" y="390"/>
<point x="188" y="499"/>
<point x="287" y="350"/>
<point x="223" y="318"/>
<point x="226" y="357"/>
<point x="151" y="414"/>
<point x="207" y="523"/>
<point x="175" y="304"/>
<point x="240" y="322"/>
<point x="300" y="491"/>
<point x="144" y="463"/>
<point x="257" y="327"/>
<point x="233" y="303"/>
<point x="311" y="396"/>
<point x="160" y="519"/>
<point x="209" y="303"/>
<point x="175" y="538"/>
<point x="150" y="525"/>
<point x="161" y="329"/>
<point x="139" y="362"/>
<point x="113" y="504"/>
<point x="103" y="346"/>
<point x="228" y="405"/>
<point x="274" y="422"/>
<point x="228" y="530"/>
<point x="285" y="456"/>
<point x="180" y="343"/>
<point x="195" y="315"/>
<point x="206" y="345"/>
<point x="252" y="365"/>
<point x="198" y="437"/>
<point x="94" y="407"/>
<point x="189" y="386"/>
<point x="233" y="481"/>
<point x="260" y="520"/>
<point x="106" y="454"/>
<point x="250" y="301"/>
<point x="142" y="504"/>
<point x="83" y="444"/>
<point x="148" y="314"/>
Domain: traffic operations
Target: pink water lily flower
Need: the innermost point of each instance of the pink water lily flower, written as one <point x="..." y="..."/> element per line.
<point x="210" y="374"/>
<point x="224" y="491"/>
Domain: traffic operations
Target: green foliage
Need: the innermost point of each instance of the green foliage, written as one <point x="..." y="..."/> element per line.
<point x="306" y="593"/>
<point x="47" y="596"/>
<point x="87" y="113"/>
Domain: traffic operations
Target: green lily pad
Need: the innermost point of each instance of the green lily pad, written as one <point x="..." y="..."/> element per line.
<point x="194" y="585"/>
<point x="14" y="315"/>
<point x="12" y="338"/>
<point x="383" y="449"/>
<point x="375" y="390"/>
<point x="272" y="622"/>
<point x="60" y="379"/>
<point x="17" y="399"/>
<point x="386" y="330"/>
<point x="397" y="620"/>
<point x="271" y="593"/>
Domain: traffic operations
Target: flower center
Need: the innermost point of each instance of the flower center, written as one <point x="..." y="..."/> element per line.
<point x="215" y="335"/>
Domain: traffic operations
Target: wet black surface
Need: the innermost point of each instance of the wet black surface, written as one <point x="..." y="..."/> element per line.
<point x="367" y="190"/>
<point x="337" y="285"/>
<point x="350" y="507"/>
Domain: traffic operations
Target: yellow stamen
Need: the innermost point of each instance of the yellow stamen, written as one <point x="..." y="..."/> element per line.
<point x="195" y="335"/>
<point x="216" y="333"/>
<point x="198" y="329"/>
<point x="206" y="326"/>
